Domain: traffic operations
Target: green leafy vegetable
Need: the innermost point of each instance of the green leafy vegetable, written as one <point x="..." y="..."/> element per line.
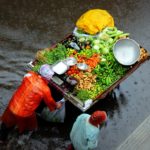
<point x="83" y="95"/>
<point x="51" y="56"/>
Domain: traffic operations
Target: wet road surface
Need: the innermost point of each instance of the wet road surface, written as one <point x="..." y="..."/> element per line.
<point x="26" y="26"/>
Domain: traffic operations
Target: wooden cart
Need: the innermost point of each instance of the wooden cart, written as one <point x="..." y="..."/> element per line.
<point x="83" y="106"/>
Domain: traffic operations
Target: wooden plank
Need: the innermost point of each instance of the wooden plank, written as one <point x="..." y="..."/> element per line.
<point x="139" y="139"/>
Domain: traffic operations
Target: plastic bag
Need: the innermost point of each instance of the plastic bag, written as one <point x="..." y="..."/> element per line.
<point x="94" y="20"/>
<point x="54" y="116"/>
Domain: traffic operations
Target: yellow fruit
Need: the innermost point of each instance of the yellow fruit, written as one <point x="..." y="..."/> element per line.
<point x="93" y="21"/>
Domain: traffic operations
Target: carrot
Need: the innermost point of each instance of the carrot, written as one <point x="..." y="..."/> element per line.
<point x="93" y="60"/>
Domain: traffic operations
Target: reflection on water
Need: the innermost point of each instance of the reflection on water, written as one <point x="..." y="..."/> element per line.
<point x="26" y="26"/>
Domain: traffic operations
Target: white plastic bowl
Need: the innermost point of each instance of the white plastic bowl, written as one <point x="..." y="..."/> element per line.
<point x="70" y="61"/>
<point x="82" y="66"/>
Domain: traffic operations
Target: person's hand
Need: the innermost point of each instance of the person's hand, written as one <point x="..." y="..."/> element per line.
<point x="58" y="105"/>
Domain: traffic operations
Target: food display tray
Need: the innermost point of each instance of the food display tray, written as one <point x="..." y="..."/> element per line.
<point x="84" y="106"/>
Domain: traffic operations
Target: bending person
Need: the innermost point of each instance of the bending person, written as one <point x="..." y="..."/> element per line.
<point x="20" y="111"/>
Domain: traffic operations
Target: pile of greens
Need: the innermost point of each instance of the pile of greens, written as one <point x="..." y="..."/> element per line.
<point x="109" y="71"/>
<point x="50" y="56"/>
<point x="83" y="95"/>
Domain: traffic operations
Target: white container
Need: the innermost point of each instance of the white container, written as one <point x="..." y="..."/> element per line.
<point x="60" y="68"/>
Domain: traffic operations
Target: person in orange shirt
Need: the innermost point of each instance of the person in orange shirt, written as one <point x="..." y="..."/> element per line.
<point x="20" y="111"/>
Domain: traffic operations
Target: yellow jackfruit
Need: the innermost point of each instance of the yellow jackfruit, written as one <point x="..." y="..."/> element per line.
<point x="93" y="21"/>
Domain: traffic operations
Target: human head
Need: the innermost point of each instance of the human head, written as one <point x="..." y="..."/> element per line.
<point x="97" y="118"/>
<point x="46" y="71"/>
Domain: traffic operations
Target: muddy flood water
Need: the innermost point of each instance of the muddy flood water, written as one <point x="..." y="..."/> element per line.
<point x="26" y="26"/>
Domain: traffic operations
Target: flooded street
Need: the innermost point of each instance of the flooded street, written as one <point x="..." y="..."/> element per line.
<point x="26" y="26"/>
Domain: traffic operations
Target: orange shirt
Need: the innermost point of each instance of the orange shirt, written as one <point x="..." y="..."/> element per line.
<point x="29" y="95"/>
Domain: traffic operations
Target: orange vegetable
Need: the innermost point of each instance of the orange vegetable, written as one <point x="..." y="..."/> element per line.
<point x="93" y="61"/>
